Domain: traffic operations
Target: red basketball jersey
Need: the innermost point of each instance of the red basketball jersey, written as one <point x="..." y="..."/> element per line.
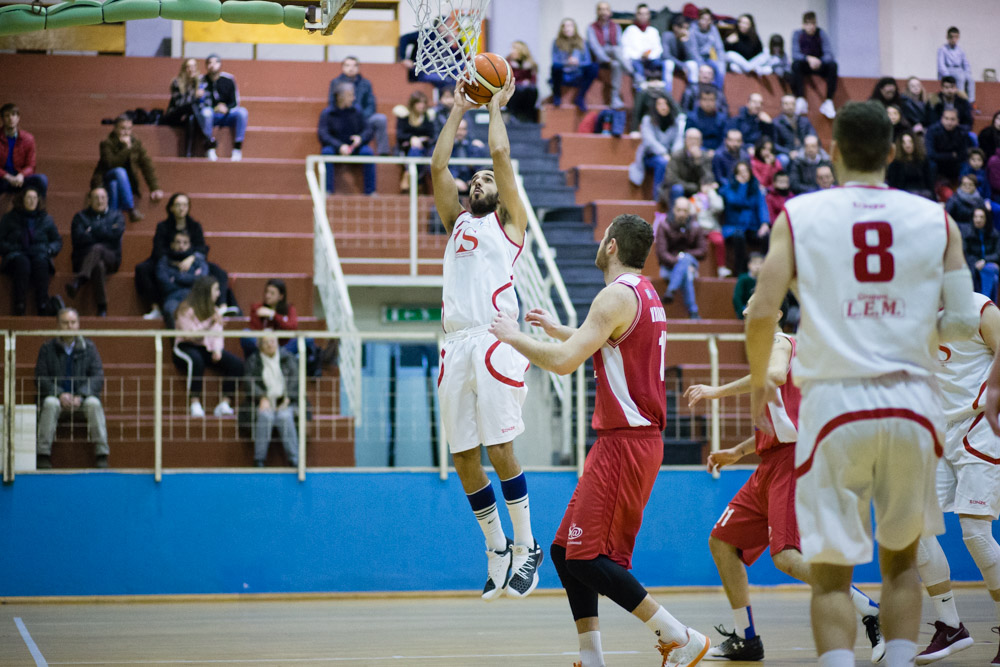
<point x="629" y="371"/>
<point x="782" y="414"/>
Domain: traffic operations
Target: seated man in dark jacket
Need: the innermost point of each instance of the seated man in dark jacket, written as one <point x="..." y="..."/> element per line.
<point x="123" y="158"/>
<point x="69" y="377"/>
<point x="28" y="242"/>
<point x="97" y="246"/>
<point x="176" y="272"/>
<point x="947" y="148"/>
<point x="364" y="100"/>
<point x="680" y="244"/>
<point x="272" y="383"/>
<point x="343" y="130"/>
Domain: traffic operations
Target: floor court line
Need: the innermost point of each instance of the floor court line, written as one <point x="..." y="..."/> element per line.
<point x="271" y="661"/>
<point x="32" y="647"/>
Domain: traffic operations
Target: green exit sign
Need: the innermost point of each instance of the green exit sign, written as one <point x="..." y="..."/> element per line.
<point x="411" y="313"/>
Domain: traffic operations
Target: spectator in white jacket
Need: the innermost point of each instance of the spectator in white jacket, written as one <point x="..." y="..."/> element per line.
<point x="642" y="47"/>
<point x="951" y="60"/>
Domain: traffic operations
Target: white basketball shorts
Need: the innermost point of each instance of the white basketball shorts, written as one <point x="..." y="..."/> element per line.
<point x="968" y="475"/>
<point x="481" y="389"/>
<point x="863" y="442"/>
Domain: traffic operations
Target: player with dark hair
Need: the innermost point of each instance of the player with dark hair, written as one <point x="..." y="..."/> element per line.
<point x="481" y="381"/>
<point x="870" y="421"/>
<point x="592" y="550"/>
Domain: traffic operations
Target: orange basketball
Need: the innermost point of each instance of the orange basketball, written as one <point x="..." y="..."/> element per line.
<point x="491" y="74"/>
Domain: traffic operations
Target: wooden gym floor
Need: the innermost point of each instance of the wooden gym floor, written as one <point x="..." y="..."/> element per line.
<point x="445" y="631"/>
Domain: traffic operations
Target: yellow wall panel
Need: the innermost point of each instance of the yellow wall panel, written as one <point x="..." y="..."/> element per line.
<point x="367" y="33"/>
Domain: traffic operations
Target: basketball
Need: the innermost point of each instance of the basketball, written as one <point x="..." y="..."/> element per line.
<point x="492" y="71"/>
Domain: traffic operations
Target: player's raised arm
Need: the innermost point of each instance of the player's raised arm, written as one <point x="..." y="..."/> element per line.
<point x="959" y="320"/>
<point x="777" y="370"/>
<point x="772" y="286"/>
<point x="445" y="190"/>
<point x="515" y="216"/>
<point x="613" y="311"/>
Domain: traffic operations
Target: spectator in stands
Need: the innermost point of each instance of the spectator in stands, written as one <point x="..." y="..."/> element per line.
<point x="778" y="61"/>
<point x="272" y="313"/>
<point x="753" y="121"/>
<point x="196" y="348"/>
<point x="706" y="77"/>
<point x="791" y="130"/>
<point x="947" y="147"/>
<point x="465" y="148"/>
<point x="176" y="273"/>
<point x="364" y="101"/>
<point x="965" y="200"/>
<point x="746" y="221"/>
<point x="899" y="123"/>
<point x="976" y="165"/>
<point x="812" y="53"/>
<point x="729" y="154"/>
<point x="571" y="64"/>
<point x="343" y="130"/>
<point x="97" y="247"/>
<point x="17" y="155"/>
<point x="184" y="107"/>
<point x="69" y="377"/>
<point x="952" y="61"/>
<point x="916" y="105"/>
<point x="680" y="245"/>
<point x="221" y="108"/>
<point x="689" y="167"/>
<point x="989" y="137"/>
<point x="779" y="193"/>
<point x="708" y="44"/>
<point x="407" y="55"/>
<point x="523" y="102"/>
<point x="272" y="386"/>
<point x="678" y="52"/>
<point x="824" y="177"/>
<point x="123" y="158"/>
<point x="910" y="170"/>
<point x="993" y="174"/>
<point x="744" y="50"/>
<point x="981" y="241"/>
<point x="178" y="219"/>
<point x="709" y="119"/>
<point x="642" y="48"/>
<point x="28" y="242"/>
<point x="949" y="98"/>
<point x="886" y="91"/>
<point x="803" y="169"/>
<point x="764" y="163"/>
<point x="414" y="132"/>
<point x="604" y="38"/>
<point x="707" y="205"/>
<point x="660" y="137"/>
<point x="746" y="283"/>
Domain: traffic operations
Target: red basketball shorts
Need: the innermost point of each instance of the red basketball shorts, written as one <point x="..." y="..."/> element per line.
<point x="762" y="513"/>
<point x="605" y="512"/>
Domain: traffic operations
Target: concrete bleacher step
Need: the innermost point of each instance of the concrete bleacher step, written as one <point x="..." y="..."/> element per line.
<point x="576" y="148"/>
<point x="598" y="181"/>
<point x="601" y="212"/>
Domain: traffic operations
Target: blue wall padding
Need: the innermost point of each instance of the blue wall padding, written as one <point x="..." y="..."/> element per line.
<point x="16" y="19"/>
<point x="77" y="12"/>
<point x="120" y="534"/>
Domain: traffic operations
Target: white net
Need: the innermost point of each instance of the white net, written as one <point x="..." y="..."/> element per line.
<point x="448" y="36"/>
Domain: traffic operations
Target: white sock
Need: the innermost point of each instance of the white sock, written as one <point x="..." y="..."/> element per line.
<point x="863" y="604"/>
<point x="667" y="628"/>
<point x="743" y="620"/>
<point x="900" y="653"/>
<point x="944" y="607"/>
<point x="520" y="518"/>
<point x="591" y="654"/>
<point x="840" y="657"/>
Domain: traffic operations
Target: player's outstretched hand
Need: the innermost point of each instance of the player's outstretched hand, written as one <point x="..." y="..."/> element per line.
<point x="722" y="458"/>
<point x="504" y="327"/>
<point x="539" y="317"/>
<point x="500" y="98"/>
<point x="697" y="392"/>
<point x="462" y="101"/>
<point x="759" y="398"/>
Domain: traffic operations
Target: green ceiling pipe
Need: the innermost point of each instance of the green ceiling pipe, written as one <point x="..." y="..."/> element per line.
<point x="295" y="17"/>
<point x="116" y="11"/>
<point x="16" y="19"/>
<point x="252" y="11"/>
<point x="191" y="10"/>
<point x="78" y="12"/>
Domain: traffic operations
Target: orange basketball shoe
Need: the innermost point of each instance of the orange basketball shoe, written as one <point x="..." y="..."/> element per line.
<point x="688" y="655"/>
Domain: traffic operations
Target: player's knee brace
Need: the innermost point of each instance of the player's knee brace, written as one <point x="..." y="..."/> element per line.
<point x="978" y="537"/>
<point x="931" y="562"/>
<point x="610" y="580"/>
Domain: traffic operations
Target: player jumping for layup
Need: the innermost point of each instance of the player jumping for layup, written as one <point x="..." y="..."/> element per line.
<point x="626" y="332"/>
<point x="762" y="513"/>
<point x="871" y="266"/>
<point x="481" y="382"/>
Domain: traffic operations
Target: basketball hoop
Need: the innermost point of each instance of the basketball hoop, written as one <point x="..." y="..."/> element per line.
<point x="448" y="39"/>
<point x="327" y="16"/>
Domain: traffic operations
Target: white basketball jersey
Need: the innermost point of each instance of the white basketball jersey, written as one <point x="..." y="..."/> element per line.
<point x="964" y="369"/>
<point x="869" y="265"/>
<point x="478" y="273"/>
